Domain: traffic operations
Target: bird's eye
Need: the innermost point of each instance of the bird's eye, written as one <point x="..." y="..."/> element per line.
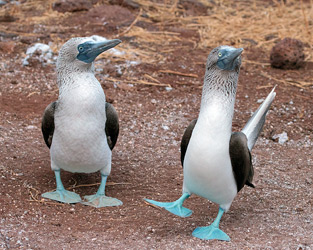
<point x="80" y="48"/>
<point x="219" y="54"/>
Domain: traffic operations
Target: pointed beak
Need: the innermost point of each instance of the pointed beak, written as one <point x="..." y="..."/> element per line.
<point x="93" y="49"/>
<point x="234" y="54"/>
<point x="99" y="47"/>
<point x="230" y="59"/>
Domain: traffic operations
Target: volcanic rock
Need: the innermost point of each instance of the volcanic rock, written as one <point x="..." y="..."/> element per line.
<point x="287" y="54"/>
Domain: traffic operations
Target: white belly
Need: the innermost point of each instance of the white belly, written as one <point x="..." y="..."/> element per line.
<point x="207" y="166"/>
<point x="79" y="141"/>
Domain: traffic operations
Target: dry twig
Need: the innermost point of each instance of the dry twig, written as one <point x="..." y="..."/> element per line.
<point x="178" y="73"/>
<point x="152" y="205"/>
<point x="257" y="63"/>
<point x="300" y="84"/>
<point x="148" y="83"/>
<point x="152" y="78"/>
<point x="132" y="24"/>
<point x="98" y="183"/>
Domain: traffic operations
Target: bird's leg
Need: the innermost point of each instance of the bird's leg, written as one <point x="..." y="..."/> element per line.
<point x="99" y="199"/>
<point x="175" y="207"/>
<point x="60" y="194"/>
<point x="212" y="232"/>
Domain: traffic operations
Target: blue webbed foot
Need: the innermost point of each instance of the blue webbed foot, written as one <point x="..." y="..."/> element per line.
<point x="100" y="200"/>
<point x="209" y="233"/>
<point x="212" y="232"/>
<point x="62" y="196"/>
<point x="175" y="207"/>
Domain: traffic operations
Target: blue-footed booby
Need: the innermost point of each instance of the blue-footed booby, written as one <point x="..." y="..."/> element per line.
<point x="216" y="162"/>
<point x="81" y="128"/>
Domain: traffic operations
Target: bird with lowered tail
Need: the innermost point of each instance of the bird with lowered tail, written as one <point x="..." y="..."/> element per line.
<point x="81" y="128"/>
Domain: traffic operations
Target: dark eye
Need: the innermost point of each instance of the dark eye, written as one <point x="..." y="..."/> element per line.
<point x="80" y="48"/>
<point x="219" y="54"/>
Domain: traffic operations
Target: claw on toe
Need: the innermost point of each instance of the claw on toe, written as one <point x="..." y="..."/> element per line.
<point x="101" y="201"/>
<point x="62" y="196"/>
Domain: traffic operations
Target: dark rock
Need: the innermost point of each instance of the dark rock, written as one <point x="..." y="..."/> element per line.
<point x="287" y="54"/>
<point x="27" y="39"/>
<point x="270" y="37"/>
<point x="7" y="18"/>
<point x="249" y="40"/>
<point x="125" y="3"/>
<point x="8" y="35"/>
<point x="193" y="7"/>
<point x="72" y="5"/>
<point x="110" y="14"/>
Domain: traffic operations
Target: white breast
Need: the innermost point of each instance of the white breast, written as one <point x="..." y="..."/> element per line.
<point x="79" y="141"/>
<point x="207" y="166"/>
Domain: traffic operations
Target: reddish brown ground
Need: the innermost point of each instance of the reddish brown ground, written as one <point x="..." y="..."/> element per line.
<point x="277" y="214"/>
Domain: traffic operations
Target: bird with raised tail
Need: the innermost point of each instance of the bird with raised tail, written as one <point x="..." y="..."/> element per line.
<point x="216" y="161"/>
<point x="81" y="128"/>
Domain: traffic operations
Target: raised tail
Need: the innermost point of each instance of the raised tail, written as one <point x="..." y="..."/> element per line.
<point x="255" y="124"/>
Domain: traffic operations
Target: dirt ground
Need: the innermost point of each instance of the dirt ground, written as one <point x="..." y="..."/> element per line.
<point x="277" y="214"/>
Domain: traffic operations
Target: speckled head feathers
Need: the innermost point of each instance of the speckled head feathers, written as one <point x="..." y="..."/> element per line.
<point x="224" y="58"/>
<point x="221" y="75"/>
<point x="68" y="51"/>
<point x="84" y="50"/>
<point x="77" y="56"/>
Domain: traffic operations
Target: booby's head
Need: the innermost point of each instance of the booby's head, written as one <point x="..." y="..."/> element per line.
<point x="225" y="58"/>
<point x="82" y="51"/>
<point x="221" y="75"/>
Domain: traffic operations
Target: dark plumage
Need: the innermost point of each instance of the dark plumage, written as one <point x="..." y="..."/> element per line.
<point x="111" y="125"/>
<point x="240" y="157"/>
<point x="185" y="140"/>
<point x="47" y="125"/>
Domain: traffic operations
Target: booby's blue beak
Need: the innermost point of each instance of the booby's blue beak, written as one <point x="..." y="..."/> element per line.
<point x="228" y="58"/>
<point x="88" y="51"/>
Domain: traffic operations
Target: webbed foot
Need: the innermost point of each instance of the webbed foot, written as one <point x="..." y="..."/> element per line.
<point x="209" y="233"/>
<point x="175" y="207"/>
<point x="100" y="200"/>
<point x="62" y="196"/>
<point x="212" y="232"/>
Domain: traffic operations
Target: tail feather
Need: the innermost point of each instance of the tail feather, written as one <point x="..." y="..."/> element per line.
<point x="255" y="124"/>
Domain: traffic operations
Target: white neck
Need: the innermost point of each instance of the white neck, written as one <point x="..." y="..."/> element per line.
<point x="217" y="102"/>
<point x="72" y="75"/>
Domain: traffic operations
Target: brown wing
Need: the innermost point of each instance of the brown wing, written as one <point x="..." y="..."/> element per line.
<point x="241" y="160"/>
<point x="47" y="124"/>
<point x="111" y="125"/>
<point x="185" y="140"/>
